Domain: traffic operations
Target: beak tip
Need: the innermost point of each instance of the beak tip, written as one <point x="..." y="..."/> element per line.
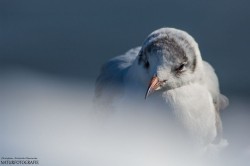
<point x="147" y="93"/>
<point x="153" y="85"/>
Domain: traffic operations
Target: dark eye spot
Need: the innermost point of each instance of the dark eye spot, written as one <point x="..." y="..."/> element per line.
<point x="146" y="65"/>
<point x="180" y="68"/>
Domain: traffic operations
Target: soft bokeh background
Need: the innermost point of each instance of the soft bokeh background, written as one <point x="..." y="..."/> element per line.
<point x="51" y="52"/>
<point x="73" y="38"/>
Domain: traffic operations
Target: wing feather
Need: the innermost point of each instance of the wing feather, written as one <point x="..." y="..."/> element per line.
<point x="220" y="101"/>
<point x="109" y="83"/>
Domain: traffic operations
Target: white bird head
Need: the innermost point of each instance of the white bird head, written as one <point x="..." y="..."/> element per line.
<point x="170" y="58"/>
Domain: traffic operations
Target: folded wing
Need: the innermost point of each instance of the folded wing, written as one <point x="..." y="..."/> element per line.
<point x="110" y="82"/>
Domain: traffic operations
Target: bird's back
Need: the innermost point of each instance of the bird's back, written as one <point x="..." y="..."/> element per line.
<point x="110" y="82"/>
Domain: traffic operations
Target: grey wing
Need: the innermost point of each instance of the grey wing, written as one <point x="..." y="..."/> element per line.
<point x="109" y="83"/>
<point x="220" y="101"/>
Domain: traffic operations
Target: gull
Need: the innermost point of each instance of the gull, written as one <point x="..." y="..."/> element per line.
<point x="168" y="62"/>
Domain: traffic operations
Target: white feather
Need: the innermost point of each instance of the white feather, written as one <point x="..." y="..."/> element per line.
<point x="196" y="103"/>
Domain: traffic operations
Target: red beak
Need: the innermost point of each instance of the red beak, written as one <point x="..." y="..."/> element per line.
<point x="153" y="85"/>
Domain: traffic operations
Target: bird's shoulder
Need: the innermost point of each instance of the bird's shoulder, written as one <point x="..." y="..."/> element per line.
<point x="112" y="73"/>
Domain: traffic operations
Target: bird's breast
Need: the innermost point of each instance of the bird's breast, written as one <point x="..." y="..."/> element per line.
<point x="193" y="107"/>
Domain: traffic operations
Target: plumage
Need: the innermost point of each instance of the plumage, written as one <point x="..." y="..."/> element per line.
<point x="188" y="84"/>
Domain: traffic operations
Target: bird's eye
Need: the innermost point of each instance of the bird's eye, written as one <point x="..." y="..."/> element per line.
<point x="181" y="67"/>
<point x="146" y="65"/>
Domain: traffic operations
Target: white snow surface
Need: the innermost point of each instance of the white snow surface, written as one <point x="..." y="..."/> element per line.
<point x="53" y="120"/>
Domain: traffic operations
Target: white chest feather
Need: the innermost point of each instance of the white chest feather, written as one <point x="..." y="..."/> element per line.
<point x="193" y="107"/>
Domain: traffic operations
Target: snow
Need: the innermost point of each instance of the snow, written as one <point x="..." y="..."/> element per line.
<point x="53" y="120"/>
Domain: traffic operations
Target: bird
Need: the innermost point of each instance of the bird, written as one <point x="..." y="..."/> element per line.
<point x="168" y="63"/>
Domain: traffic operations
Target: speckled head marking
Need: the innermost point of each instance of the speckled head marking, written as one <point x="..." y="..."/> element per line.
<point x="168" y="47"/>
<point x="175" y="45"/>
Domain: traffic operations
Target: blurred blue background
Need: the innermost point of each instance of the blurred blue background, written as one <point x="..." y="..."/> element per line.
<point x="72" y="39"/>
<point x="51" y="52"/>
